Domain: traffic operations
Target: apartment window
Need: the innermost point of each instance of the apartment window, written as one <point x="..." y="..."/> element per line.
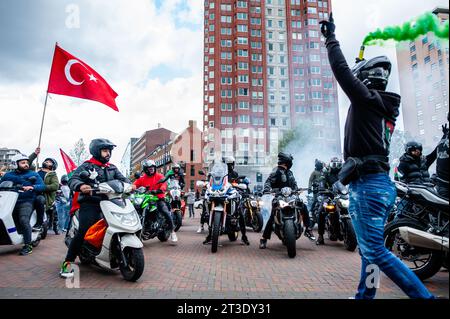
<point x="243" y="78"/>
<point x="243" y="119"/>
<point x="256" y="33"/>
<point x="242" y="28"/>
<point x="225" y="19"/>
<point x="242" y="91"/>
<point x="255" y="21"/>
<point x="281" y="24"/>
<point x="312" y="10"/>
<point x="242" y="53"/>
<point x="242" y="16"/>
<point x="242" y="66"/>
<point x="242" y="40"/>
<point x="273" y="122"/>
<point x="226" y="107"/>
<point x="427" y="59"/>
<point x="244" y="105"/>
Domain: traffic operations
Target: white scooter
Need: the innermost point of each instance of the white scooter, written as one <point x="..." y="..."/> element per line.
<point x="9" y="193"/>
<point x="121" y="247"/>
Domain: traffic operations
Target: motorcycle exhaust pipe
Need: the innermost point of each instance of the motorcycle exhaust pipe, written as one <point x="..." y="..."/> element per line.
<point x="419" y="238"/>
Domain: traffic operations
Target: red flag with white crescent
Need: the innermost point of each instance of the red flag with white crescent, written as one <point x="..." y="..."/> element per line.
<point x="72" y="77"/>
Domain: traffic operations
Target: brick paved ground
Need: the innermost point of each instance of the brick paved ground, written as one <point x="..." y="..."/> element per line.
<point x="190" y="270"/>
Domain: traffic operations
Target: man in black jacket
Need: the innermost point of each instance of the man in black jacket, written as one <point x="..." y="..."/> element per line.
<point x="330" y="177"/>
<point x="413" y="167"/>
<point x="281" y="177"/>
<point x="368" y="130"/>
<point x="100" y="171"/>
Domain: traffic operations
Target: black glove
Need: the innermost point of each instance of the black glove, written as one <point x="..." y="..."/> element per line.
<point x="328" y="27"/>
<point x="445" y="129"/>
<point x="156" y="192"/>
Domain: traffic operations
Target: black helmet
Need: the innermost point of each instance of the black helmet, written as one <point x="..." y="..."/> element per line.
<point x="412" y="146"/>
<point x="286" y="159"/>
<point x="54" y="166"/>
<point x="176" y="166"/>
<point x="318" y="165"/>
<point x="99" y="144"/>
<point x="374" y="73"/>
<point x="146" y="165"/>
<point x="64" y="179"/>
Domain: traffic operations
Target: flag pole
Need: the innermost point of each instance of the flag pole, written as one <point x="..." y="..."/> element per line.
<point x="45" y="108"/>
<point x="42" y="126"/>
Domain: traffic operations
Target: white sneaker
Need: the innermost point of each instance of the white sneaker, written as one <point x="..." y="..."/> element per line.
<point x="200" y="230"/>
<point x="173" y="237"/>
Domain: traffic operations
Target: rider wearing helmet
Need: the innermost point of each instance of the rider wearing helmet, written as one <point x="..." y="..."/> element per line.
<point x="45" y="201"/>
<point x="176" y="173"/>
<point x="330" y="177"/>
<point x="368" y="132"/>
<point x="233" y="177"/>
<point x="31" y="183"/>
<point x="413" y="167"/>
<point x="315" y="179"/>
<point x="281" y="177"/>
<point x="100" y="171"/>
<point x="155" y="182"/>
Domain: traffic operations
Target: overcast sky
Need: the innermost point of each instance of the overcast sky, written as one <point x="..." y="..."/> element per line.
<point x="149" y="51"/>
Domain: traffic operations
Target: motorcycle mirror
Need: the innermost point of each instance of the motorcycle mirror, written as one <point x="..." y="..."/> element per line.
<point x="242" y="186"/>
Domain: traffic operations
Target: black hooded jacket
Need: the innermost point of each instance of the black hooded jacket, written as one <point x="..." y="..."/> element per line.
<point x="279" y="178"/>
<point x="104" y="174"/>
<point x="415" y="170"/>
<point x="371" y="117"/>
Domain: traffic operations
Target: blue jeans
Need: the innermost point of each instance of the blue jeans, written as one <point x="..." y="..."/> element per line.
<point x="371" y="199"/>
<point x="63" y="210"/>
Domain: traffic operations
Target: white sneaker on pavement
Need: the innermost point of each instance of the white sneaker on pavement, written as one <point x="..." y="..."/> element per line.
<point x="173" y="237"/>
<point x="200" y="230"/>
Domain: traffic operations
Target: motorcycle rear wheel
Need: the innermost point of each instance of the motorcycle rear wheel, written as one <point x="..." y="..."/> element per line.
<point x="392" y="238"/>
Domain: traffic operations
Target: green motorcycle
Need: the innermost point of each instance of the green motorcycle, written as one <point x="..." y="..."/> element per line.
<point x="154" y="224"/>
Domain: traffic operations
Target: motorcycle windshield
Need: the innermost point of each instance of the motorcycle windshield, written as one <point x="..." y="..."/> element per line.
<point x="218" y="174"/>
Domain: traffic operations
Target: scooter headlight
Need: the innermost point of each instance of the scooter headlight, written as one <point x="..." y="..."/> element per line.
<point x="127" y="219"/>
<point x="344" y="203"/>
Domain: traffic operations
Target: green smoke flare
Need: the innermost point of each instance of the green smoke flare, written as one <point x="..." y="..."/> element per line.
<point x="410" y="31"/>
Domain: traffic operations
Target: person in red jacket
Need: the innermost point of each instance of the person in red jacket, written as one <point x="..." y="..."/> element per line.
<point x="150" y="180"/>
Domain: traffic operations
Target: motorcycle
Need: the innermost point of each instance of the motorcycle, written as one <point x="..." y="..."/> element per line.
<point x="221" y="201"/>
<point x="251" y="207"/>
<point x="9" y="234"/>
<point x="154" y="223"/>
<point x="120" y="248"/>
<point x="287" y="222"/>
<point x="174" y="201"/>
<point x="418" y="233"/>
<point x="338" y="223"/>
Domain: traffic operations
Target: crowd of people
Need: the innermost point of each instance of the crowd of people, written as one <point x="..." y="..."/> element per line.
<point x="365" y="168"/>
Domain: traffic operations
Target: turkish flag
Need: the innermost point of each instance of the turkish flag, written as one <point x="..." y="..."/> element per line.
<point x="71" y="76"/>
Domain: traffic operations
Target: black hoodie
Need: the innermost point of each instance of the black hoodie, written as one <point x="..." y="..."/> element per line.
<point x="371" y="117"/>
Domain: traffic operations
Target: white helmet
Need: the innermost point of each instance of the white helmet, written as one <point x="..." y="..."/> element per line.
<point x="16" y="159"/>
<point x="230" y="160"/>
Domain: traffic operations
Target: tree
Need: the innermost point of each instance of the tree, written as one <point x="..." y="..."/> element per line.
<point x="79" y="153"/>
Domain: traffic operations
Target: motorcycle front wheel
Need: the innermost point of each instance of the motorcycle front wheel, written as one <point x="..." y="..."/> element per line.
<point x="135" y="264"/>
<point x="348" y="232"/>
<point x="425" y="263"/>
<point x="290" y="238"/>
<point x="257" y="222"/>
<point x="215" y="231"/>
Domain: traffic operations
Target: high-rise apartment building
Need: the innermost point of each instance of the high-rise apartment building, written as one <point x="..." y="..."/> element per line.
<point x="424" y="78"/>
<point x="266" y="71"/>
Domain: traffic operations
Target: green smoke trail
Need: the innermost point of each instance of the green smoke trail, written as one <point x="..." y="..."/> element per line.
<point x="410" y="31"/>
